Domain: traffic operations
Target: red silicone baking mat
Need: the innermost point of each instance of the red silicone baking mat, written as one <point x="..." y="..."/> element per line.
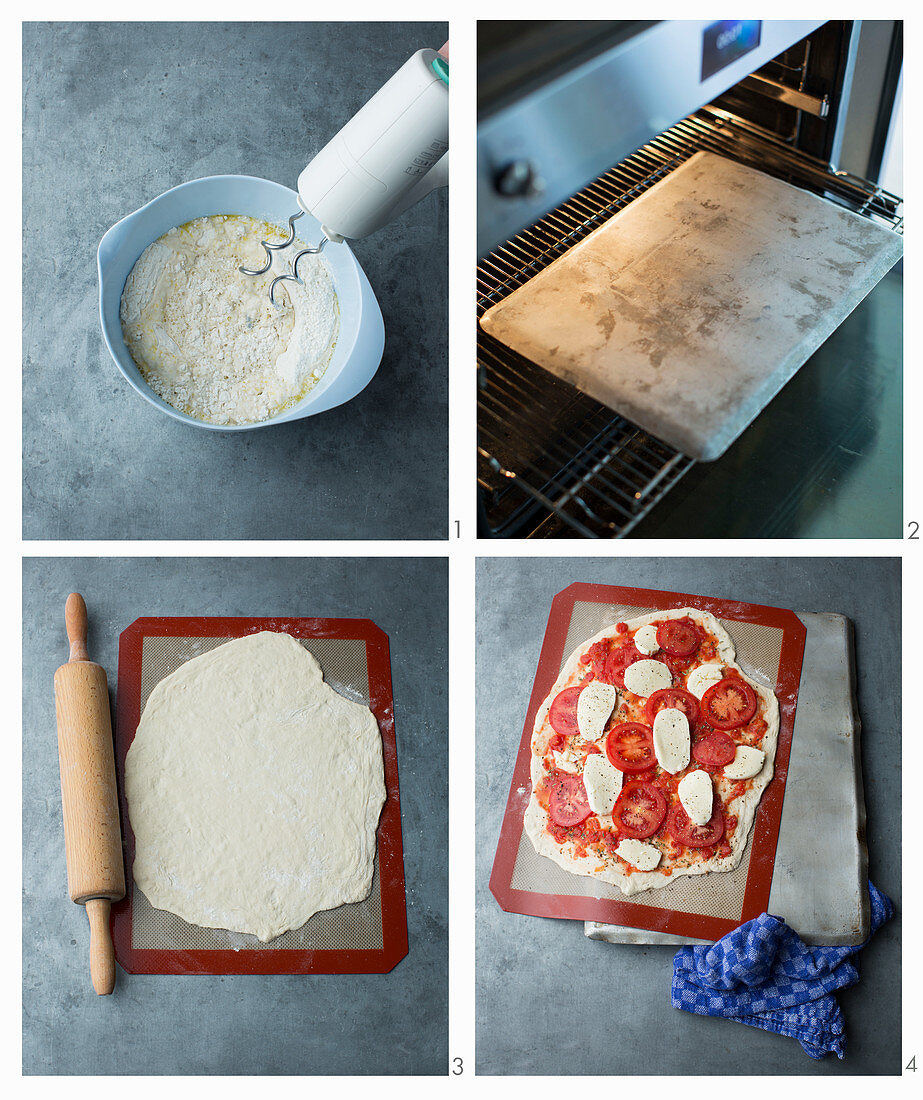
<point x="368" y="937"/>
<point x="770" y="644"/>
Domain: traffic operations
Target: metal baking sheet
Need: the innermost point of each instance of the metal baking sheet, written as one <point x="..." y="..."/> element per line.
<point x="691" y="308"/>
<point x="364" y="937"/>
<point x="818" y="885"/>
<point x="769" y="642"/>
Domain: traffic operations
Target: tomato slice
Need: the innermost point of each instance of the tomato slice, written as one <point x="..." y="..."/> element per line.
<point x="679" y="637"/>
<point x="568" y="803"/>
<point x="619" y="659"/>
<point x="679" y="666"/>
<point x="630" y="747"/>
<point x="715" y="750"/>
<point x="696" y="836"/>
<point x="729" y="704"/>
<point x="563" y="712"/>
<point x="639" y="809"/>
<point x="678" y="698"/>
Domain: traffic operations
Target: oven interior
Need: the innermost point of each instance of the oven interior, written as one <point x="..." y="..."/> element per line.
<point x="552" y="461"/>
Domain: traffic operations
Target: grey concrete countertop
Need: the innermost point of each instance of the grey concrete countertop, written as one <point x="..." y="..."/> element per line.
<point x="526" y="966"/>
<point x="115" y="114"/>
<point x="392" y="1023"/>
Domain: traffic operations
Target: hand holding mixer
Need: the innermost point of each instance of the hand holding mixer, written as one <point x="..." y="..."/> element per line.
<point x="386" y="158"/>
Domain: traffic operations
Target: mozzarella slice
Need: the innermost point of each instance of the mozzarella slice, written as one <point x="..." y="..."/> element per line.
<point x="594" y="705"/>
<point x="566" y="760"/>
<point x="645" y="677"/>
<point x="702" y="678"/>
<point x="643" y="856"/>
<point x="646" y="639"/>
<point x="696" y="795"/>
<point x="602" y="783"/>
<point x="671" y="740"/>
<point x="747" y="762"/>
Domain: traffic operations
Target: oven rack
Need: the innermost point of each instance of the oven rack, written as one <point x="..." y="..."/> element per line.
<point x="551" y="460"/>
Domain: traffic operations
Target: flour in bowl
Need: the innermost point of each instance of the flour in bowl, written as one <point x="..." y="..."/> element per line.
<point x="206" y="337"/>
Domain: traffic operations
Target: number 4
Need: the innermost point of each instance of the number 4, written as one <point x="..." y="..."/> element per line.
<point x="912" y="1064"/>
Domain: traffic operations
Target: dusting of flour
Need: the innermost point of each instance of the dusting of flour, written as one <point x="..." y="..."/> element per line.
<point x="206" y="337"/>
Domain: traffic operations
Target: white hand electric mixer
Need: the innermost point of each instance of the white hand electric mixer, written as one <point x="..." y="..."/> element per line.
<point x="386" y="158"/>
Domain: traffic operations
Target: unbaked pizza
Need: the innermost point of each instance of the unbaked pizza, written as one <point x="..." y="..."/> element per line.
<point x="650" y="753"/>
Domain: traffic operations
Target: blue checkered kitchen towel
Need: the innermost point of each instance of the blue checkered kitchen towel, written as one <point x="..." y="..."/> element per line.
<point x="764" y="975"/>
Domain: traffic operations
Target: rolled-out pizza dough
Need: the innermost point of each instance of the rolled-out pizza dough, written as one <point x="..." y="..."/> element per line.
<point x="254" y="790"/>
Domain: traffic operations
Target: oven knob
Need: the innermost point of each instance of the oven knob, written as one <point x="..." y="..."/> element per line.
<point x="519" y="179"/>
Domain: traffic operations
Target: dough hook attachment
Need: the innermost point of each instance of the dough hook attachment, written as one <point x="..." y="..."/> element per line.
<point x="269" y="248"/>
<point x="386" y="158"/>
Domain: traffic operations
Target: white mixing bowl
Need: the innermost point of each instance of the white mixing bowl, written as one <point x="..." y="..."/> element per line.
<point x="361" y="339"/>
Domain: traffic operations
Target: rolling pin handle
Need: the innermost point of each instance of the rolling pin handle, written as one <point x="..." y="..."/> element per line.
<point x="75" y="619"/>
<point x="102" y="953"/>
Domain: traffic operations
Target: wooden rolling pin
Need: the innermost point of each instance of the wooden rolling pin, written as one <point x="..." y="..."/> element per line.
<point x="92" y="839"/>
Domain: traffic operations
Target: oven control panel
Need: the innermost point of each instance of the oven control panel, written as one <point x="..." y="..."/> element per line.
<point x="726" y="41"/>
